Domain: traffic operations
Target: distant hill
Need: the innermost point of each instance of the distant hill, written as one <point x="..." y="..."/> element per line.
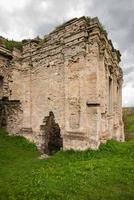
<point x="128" y="118"/>
<point x="128" y="110"/>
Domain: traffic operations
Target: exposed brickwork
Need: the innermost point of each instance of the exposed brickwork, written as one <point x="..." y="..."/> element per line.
<point x="75" y="74"/>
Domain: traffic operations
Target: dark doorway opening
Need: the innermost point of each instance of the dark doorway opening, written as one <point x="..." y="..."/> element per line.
<point x="3" y="112"/>
<point x="51" y="134"/>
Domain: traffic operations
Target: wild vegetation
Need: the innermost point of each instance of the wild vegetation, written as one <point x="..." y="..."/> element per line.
<point x="103" y="30"/>
<point x="128" y="118"/>
<point x="88" y="19"/>
<point x="10" y="44"/>
<point x="129" y="123"/>
<point x="91" y="175"/>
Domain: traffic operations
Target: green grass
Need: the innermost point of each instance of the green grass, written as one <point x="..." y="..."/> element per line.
<point x="106" y="174"/>
<point x="128" y="122"/>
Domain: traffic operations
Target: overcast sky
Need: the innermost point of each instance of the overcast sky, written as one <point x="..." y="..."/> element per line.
<point x="21" y="19"/>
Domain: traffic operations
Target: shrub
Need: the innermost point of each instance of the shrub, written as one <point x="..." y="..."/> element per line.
<point x="88" y="19"/>
<point x="103" y="30"/>
<point x="10" y="44"/>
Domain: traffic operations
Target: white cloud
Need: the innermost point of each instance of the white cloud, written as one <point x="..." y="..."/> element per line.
<point x="10" y="5"/>
<point x="128" y="95"/>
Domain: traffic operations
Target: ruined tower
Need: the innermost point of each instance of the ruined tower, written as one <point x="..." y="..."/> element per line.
<point x="67" y="85"/>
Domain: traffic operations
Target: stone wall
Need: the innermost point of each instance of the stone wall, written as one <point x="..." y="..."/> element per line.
<point x="10" y="115"/>
<point x="73" y="72"/>
<point x="10" y="110"/>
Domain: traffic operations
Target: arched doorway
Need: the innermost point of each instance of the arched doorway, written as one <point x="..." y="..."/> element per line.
<point x="51" y="135"/>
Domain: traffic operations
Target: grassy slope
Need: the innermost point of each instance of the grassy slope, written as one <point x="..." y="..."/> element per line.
<point x="129" y="123"/>
<point x="92" y="175"/>
<point x="128" y="118"/>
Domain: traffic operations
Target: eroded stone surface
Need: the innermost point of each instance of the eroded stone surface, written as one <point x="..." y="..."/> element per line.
<point x="75" y="74"/>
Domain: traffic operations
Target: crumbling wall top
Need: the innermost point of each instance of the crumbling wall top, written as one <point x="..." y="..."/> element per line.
<point x="5" y="52"/>
<point x="91" y="26"/>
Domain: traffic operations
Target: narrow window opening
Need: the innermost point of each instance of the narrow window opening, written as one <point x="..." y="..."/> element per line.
<point x="110" y="95"/>
<point x="1" y="86"/>
<point x="117" y="95"/>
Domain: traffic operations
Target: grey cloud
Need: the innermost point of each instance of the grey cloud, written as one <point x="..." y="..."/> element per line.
<point x="118" y="17"/>
<point x="128" y="70"/>
<point x="34" y="18"/>
<point x="4" y="20"/>
<point x="39" y="17"/>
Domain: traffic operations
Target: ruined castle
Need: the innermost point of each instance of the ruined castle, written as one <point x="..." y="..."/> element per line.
<point x="64" y="90"/>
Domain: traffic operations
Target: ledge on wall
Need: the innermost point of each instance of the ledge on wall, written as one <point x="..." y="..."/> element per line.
<point x="5" y="52"/>
<point x="94" y="104"/>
